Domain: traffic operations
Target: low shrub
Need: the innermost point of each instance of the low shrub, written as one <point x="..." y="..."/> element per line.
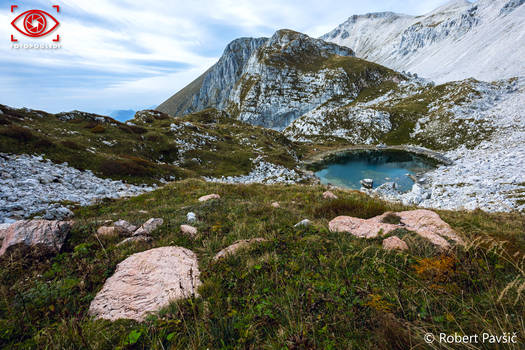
<point x="17" y="132"/>
<point x="119" y="167"/>
<point x="99" y="129"/>
<point x="71" y="144"/>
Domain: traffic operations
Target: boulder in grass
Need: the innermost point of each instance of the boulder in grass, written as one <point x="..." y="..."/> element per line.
<point x="303" y="223"/>
<point x="209" y="197"/>
<point x="107" y="231"/>
<point x="146" y="282"/>
<point x="47" y="234"/>
<point x="393" y="243"/>
<point x="329" y="195"/>
<point x="425" y="223"/>
<point x="191" y="217"/>
<point x="236" y="247"/>
<point x="124" y="228"/>
<point x="148" y="227"/>
<point x="188" y="230"/>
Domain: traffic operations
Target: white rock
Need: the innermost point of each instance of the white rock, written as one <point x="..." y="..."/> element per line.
<point x="146" y="282"/>
<point x="303" y="223"/>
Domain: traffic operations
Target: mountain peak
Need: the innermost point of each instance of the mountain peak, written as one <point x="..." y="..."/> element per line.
<point x="458" y="40"/>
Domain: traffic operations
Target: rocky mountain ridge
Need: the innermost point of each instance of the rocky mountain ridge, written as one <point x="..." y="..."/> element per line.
<point x="458" y="40"/>
<point x="278" y="79"/>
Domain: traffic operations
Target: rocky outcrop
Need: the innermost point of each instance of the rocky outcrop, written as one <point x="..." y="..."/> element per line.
<point x="44" y="234"/>
<point x="146" y="282"/>
<point x="264" y="172"/>
<point x="213" y="88"/>
<point x="425" y="223"/>
<point x="271" y="82"/>
<point x="241" y="244"/>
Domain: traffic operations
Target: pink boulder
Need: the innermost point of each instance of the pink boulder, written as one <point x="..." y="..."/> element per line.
<point x="425" y="223"/>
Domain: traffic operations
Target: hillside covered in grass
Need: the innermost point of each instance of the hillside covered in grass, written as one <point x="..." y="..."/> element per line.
<point x="150" y="147"/>
<point x="303" y="288"/>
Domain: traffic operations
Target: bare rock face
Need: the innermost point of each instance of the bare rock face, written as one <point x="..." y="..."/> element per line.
<point x="329" y="195"/>
<point x="209" y="197"/>
<point x="394" y="242"/>
<point x="425" y="223"/>
<point x="124" y="227"/>
<point x="237" y="246"/>
<point x="188" y="230"/>
<point x="149" y="226"/>
<point x="48" y="234"/>
<point x="146" y="282"/>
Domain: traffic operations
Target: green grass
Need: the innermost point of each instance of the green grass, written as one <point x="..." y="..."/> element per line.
<point x="304" y="288"/>
<point x="147" y="151"/>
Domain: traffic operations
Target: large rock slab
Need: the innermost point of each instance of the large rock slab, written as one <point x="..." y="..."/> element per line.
<point x="146" y="282"/>
<point x="241" y="244"/>
<point x="42" y="233"/>
<point x="360" y="227"/>
<point x="425" y="223"/>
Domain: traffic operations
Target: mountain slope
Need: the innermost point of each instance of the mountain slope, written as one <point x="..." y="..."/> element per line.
<point x="456" y="41"/>
<point x="150" y="148"/>
<point x="271" y="82"/>
<point x="213" y="87"/>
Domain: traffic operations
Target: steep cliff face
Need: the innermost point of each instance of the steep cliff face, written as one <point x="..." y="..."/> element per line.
<point x="291" y="75"/>
<point x="456" y="41"/>
<point x="212" y="89"/>
<point x="271" y="82"/>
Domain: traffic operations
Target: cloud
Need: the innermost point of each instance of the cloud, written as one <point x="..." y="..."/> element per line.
<point x="120" y="54"/>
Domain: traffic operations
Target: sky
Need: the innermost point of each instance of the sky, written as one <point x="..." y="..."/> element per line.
<point x="132" y="55"/>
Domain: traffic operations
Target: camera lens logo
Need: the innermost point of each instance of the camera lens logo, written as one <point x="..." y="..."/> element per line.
<point x="35" y="23"/>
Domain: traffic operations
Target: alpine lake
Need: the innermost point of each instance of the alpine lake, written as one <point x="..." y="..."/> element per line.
<point x="347" y="169"/>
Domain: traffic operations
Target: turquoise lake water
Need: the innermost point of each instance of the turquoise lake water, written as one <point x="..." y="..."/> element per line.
<point x="381" y="166"/>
